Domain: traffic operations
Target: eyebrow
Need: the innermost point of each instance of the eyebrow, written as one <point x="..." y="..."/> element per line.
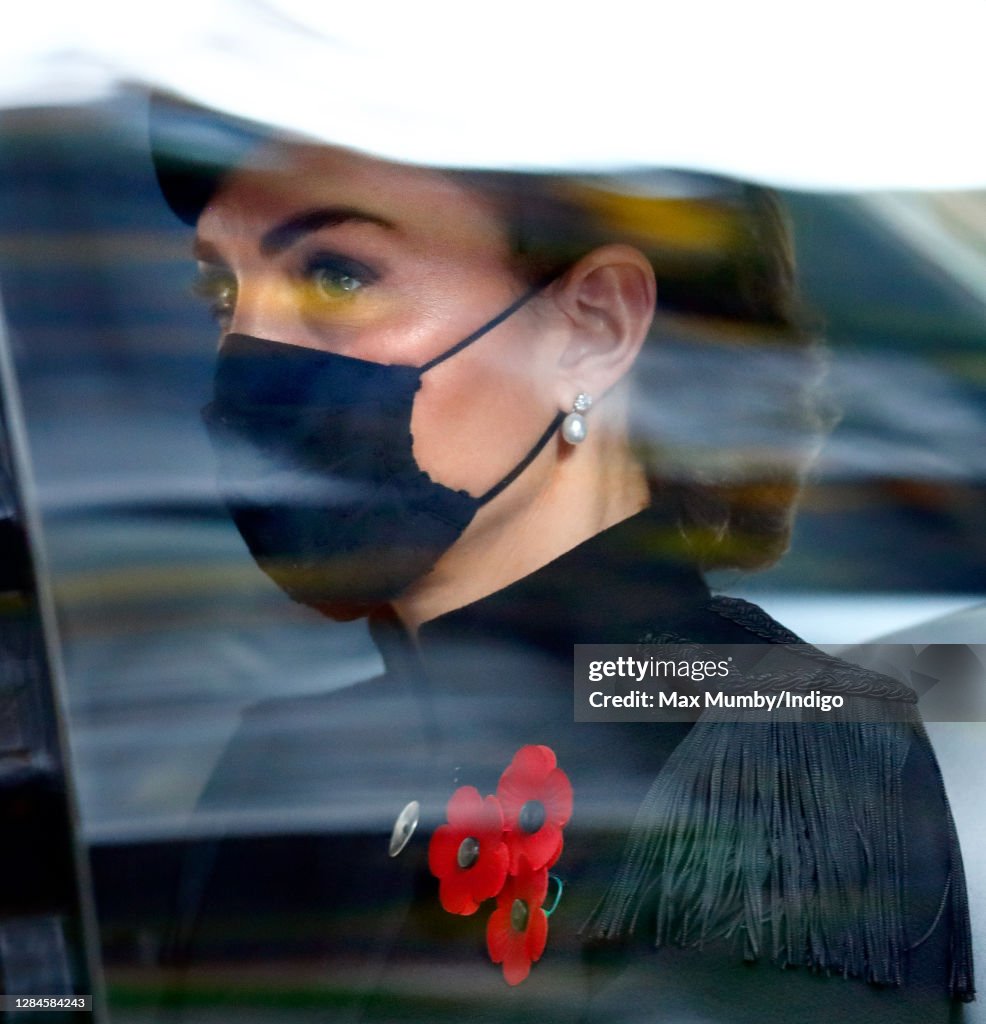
<point x="282" y="236"/>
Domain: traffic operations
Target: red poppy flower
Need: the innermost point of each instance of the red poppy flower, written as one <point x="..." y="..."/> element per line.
<point x="469" y="855"/>
<point x="536" y="798"/>
<point x="517" y="930"/>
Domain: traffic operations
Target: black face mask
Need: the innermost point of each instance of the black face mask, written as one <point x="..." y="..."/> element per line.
<point x="317" y="468"/>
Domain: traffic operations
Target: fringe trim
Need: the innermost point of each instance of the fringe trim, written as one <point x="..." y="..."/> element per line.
<point x="787" y="836"/>
<point x="961" y="969"/>
<point x="761" y="831"/>
<point x="962" y="980"/>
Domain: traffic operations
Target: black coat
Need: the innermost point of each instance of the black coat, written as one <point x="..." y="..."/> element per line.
<point x="325" y="910"/>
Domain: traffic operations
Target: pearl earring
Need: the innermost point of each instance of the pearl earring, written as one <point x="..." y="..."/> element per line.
<point x="573" y="427"/>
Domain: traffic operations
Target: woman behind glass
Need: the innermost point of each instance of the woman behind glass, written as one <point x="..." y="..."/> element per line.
<point x="424" y="414"/>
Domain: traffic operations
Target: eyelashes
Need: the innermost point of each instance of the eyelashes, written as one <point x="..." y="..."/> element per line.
<point x="324" y="280"/>
<point x="333" y="276"/>
<point x="217" y="287"/>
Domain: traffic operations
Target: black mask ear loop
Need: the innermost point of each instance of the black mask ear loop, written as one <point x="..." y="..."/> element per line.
<point x="485" y="329"/>
<point x="524" y="462"/>
<point x="475" y="336"/>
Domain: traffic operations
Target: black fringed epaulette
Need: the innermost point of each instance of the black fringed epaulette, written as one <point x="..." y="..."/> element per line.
<point x="787" y="835"/>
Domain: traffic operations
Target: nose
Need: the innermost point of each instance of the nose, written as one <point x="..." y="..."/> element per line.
<point x="263" y="307"/>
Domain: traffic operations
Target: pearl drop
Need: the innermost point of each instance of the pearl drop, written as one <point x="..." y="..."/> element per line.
<point x="573" y="428"/>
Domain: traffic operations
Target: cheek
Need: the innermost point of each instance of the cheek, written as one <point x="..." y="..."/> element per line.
<point x="478" y="414"/>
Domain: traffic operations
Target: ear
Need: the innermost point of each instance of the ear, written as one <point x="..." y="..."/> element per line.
<point x="608" y="298"/>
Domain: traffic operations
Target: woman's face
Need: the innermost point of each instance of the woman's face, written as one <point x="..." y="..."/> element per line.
<point x="336" y="251"/>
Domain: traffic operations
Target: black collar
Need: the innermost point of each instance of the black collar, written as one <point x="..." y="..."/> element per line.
<point x="631" y="579"/>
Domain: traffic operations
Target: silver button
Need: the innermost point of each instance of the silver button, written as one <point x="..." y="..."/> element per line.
<point x="404" y="826"/>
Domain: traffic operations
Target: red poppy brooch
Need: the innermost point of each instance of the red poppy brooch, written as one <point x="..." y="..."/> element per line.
<point x="502" y="846"/>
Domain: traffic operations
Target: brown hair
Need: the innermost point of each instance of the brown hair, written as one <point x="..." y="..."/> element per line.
<point x="723" y="255"/>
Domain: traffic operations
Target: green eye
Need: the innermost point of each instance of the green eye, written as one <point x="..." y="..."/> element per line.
<point x="332" y="282"/>
<point x="218" y="288"/>
<point x="334" y="276"/>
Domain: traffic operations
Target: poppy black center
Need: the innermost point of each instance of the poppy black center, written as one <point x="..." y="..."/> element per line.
<point x="519" y="915"/>
<point x="531" y="816"/>
<point x="468" y="852"/>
